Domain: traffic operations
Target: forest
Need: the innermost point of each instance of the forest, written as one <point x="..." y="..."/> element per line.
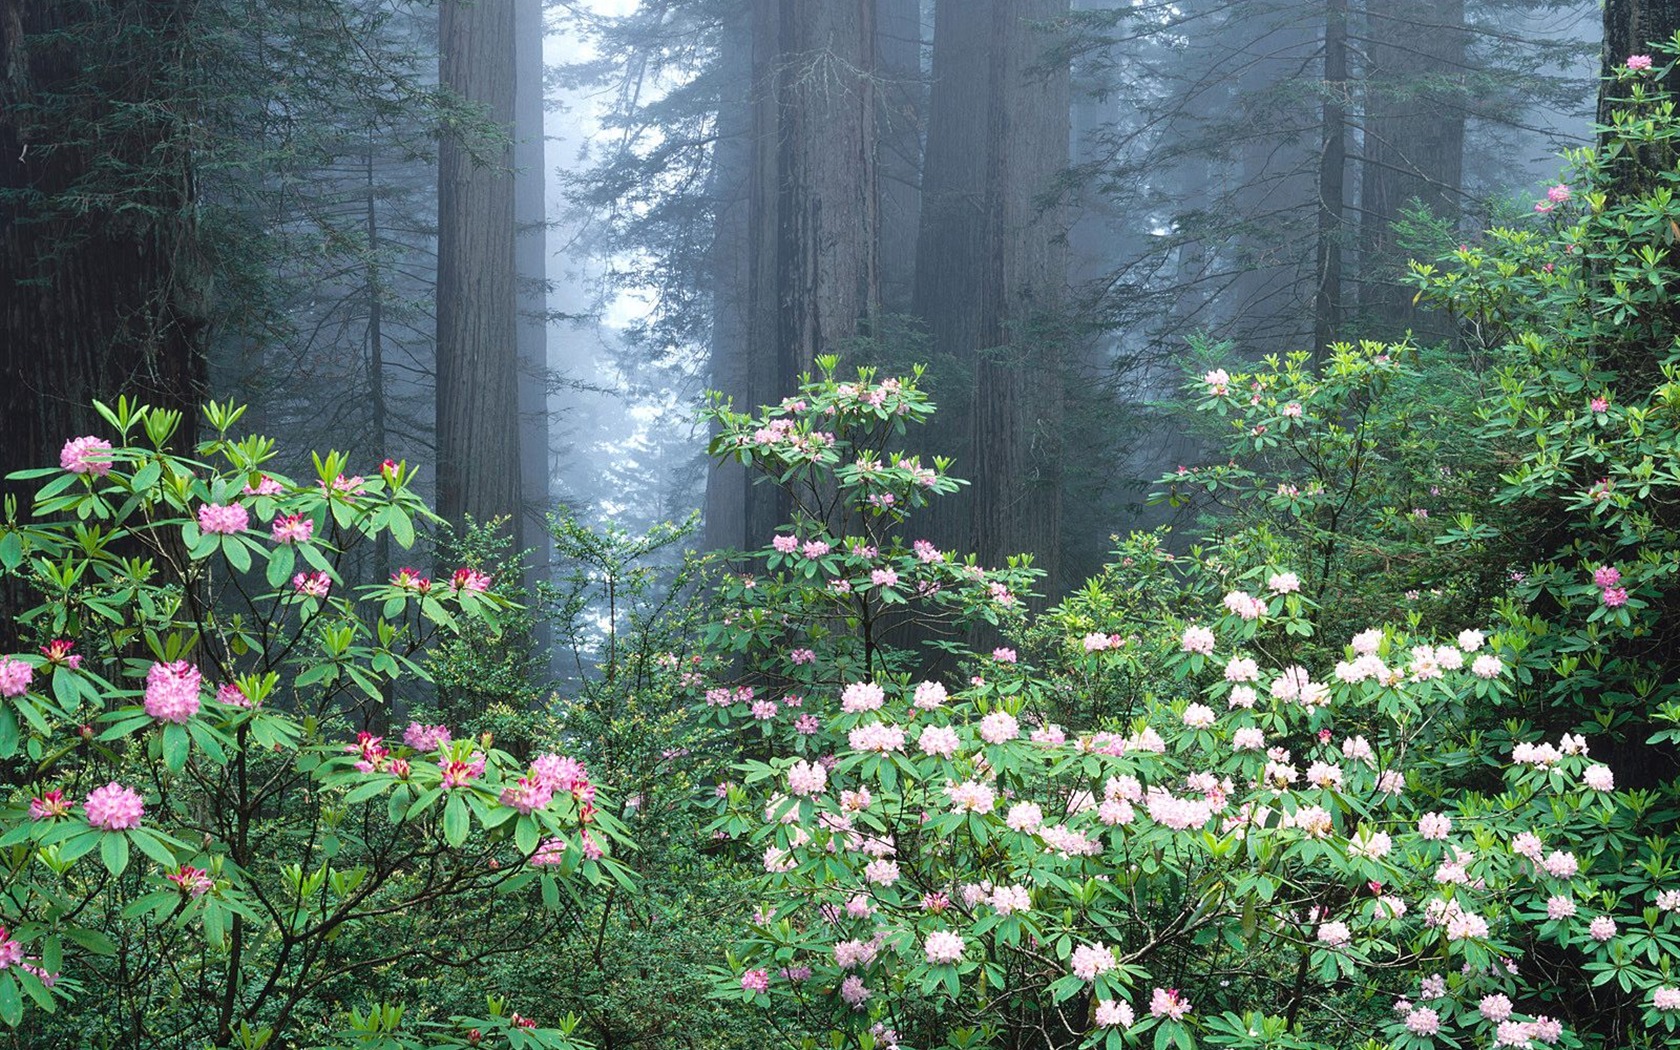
<point x="840" y="524"/>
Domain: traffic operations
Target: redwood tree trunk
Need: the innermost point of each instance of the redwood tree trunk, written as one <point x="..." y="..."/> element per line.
<point x="803" y="269"/>
<point x="1414" y="145"/>
<point x="992" y="267"/>
<point x="478" y="465"/>
<point x="1332" y="175"/>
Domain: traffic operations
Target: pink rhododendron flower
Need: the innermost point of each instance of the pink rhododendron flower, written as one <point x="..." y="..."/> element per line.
<point x="1558" y="194"/>
<point x="292" y="528"/>
<point x="1334" y="934"/>
<point x="999" y="727"/>
<point x="230" y="694"/>
<point x="930" y="695"/>
<point x="862" y="696"/>
<point x="1487" y="665"/>
<point x="1370" y="844"/>
<point x="1666" y="998"/>
<point x="551" y="852"/>
<point x="172" y="691"/>
<point x="876" y="736"/>
<point x="1167" y="1002"/>
<point x="1199" y="716"/>
<point x="1242" y="669"/>
<point x="265" y="486"/>
<point x="1284" y="583"/>
<point x="1244" y="605"/>
<point x="785" y="544"/>
<point x="86" y="455"/>
<point x="465" y="579"/>
<point x="755" y="981"/>
<point x="1197" y="640"/>
<point x="216" y="518"/>
<point x="1495" y="1008"/>
<point x="1113" y="1013"/>
<point x="1248" y="738"/>
<point x="1090" y="960"/>
<point x="1010" y="900"/>
<point x="1004" y="656"/>
<point x="943" y="947"/>
<point x="527" y="795"/>
<point x="853" y="991"/>
<point x="49" y="806"/>
<point x="1599" y="778"/>
<point x="1559" y="907"/>
<point x="312" y="584"/>
<point x="1602" y="928"/>
<point x="1434" y="826"/>
<point x="194" y="882"/>
<point x="1025" y="816"/>
<point x="1423" y="1021"/>
<point x="1615" y="597"/>
<point x="1639" y="63"/>
<point x="971" y="795"/>
<point x="807" y="778"/>
<point x="14" y="677"/>
<point x="1561" y="865"/>
<point x="113" y="808"/>
<point x="424" y="738"/>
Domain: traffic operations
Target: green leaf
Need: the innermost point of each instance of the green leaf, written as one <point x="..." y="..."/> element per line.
<point x="153" y="846"/>
<point x="113" y="852"/>
<point x="457" y="819"/>
<point x="11" y="1003"/>
<point x="11" y="550"/>
<point x="176" y="746"/>
<point x="280" y="564"/>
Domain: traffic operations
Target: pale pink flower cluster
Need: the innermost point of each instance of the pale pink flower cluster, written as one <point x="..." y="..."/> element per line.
<point x="1602" y="928"/>
<point x="551" y="852"/>
<point x="943" y="947"/>
<point x="1218" y="382"/>
<point x="1666" y="998"/>
<point x="14" y="677"/>
<point x="807" y="778"/>
<point x="755" y="981"/>
<point x="1199" y="716"/>
<point x="214" y="518"/>
<point x="1168" y="1002"/>
<point x="1367" y="642"/>
<point x="1370" y="844"/>
<point x="1113" y="1013"/>
<point x="999" y="727"/>
<point x="1180" y="814"/>
<point x="1560" y="864"/>
<point x="1197" y="640"/>
<point x="876" y="736"/>
<point x="852" y="990"/>
<point x="1423" y="1021"/>
<point x="1010" y="900"/>
<point x="1248" y="738"/>
<point x="1244" y="605"/>
<point x="862" y="696"/>
<point x="312" y="584"/>
<point x="172" y="691"/>
<point x="971" y="795"/>
<point x="114" y="808"/>
<point x="1089" y="961"/>
<point x="468" y="579"/>
<point x="86" y="455"/>
<point x="939" y="740"/>
<point x="1334" y="934"/>
<point x="1599" y="778"/>
<point x="1434" y="826"/>
<point x="527" y="795"/>
<point x="1242" y="669"/>
<point x="1487" y="665"/>
<point x="424" y="738"/>
<point x="1559" y="907"/>
<point x="849" y="955"/>
<point x="1025" y="817"/>
<point x="930" y="695"/>
<point x="1284" y="582"/>
<point x="1096" y="642"/>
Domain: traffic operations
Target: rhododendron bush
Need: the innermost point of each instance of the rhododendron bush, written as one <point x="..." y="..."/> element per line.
<point x="1264" y="835"/>
<point x="219" y="829"/>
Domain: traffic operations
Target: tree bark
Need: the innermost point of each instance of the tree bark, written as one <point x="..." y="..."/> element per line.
<point x="992" y="266"/>
<point x="478" y="463"/>
<point x="807" y="256"/>
<point x="1413" y="146"/>
<point x="531" y="265"/>
<point x="1332" y="175"/>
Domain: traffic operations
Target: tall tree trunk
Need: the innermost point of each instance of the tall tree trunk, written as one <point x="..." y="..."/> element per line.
<point x="992" y="267"/>
<point x="1332" y="177"/>
<point x="901" y="113"/>
<point x="1413" y="145"/>
<point x="810" y="239"/>
<point x="478" y="463"/>
<point x="531" y="264"/>
<point x="733" y="191"/>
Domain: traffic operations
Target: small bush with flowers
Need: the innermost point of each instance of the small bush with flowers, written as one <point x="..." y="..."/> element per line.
<point x="1240" y="845"/>
<point x="214" y="836"/>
